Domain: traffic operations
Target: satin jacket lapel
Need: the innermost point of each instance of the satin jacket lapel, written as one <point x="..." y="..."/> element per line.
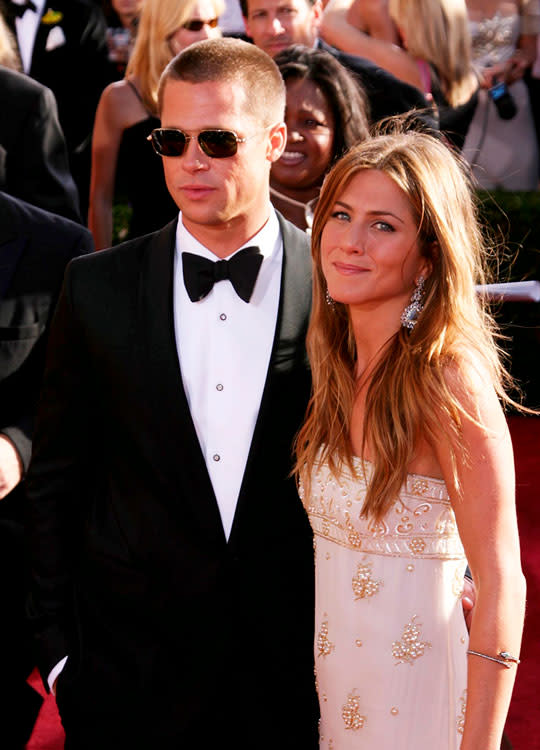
<point x="293" y="312"/>
<point x="177" y="447"/>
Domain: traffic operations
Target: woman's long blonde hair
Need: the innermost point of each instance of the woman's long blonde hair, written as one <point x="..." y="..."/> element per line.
<point x="158" y="22"/>
<point x="407" y="397"/>
<point x="437" y="31"/>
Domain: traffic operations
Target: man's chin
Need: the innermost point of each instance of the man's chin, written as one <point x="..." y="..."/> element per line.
<point x="274" y="48"/>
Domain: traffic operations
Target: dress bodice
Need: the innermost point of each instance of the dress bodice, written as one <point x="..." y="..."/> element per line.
<point x="494" y="39"/>
<point x="421" y="521"/>
<point x="390" y="638"/>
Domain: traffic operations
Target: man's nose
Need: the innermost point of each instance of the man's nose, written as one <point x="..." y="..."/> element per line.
<point x="194" y="159"/>
<point x="276" y="26"/>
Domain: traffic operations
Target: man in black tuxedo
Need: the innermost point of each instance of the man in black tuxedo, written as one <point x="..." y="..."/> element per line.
<point x="172" y="558"/>
<point x="274" y="25"/>
<point x="62" y="44"/>
<point x="35" y="247"/>
<point x="33" y="158"/>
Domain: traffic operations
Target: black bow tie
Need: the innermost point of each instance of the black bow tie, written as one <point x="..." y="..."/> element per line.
<point x="200" y="274"/>
<point x="19" y="9"/>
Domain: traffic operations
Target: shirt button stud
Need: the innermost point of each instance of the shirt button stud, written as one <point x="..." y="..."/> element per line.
<point x="219" y="387"/>
<point x="223" y="316"/>
<point x="216" y="457"/>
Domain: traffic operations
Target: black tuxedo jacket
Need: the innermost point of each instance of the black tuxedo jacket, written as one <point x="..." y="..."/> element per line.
<point x="35" y="247"/>
<point x="76" y="70"/>
<point x="176" y="637"/>
<point x="33" y="158"/>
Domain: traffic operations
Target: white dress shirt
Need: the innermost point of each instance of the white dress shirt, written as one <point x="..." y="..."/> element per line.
<point x="27" y="28"/>
<point x="224" y="346"/>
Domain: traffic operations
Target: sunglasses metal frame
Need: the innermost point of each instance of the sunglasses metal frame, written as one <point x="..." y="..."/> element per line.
<point x="153" y="139"/>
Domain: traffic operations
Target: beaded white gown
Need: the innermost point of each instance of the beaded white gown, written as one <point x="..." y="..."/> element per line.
<point x="390" y="638"/>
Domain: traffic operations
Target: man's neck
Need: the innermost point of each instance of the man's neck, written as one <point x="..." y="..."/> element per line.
<point x="225" y="239"/>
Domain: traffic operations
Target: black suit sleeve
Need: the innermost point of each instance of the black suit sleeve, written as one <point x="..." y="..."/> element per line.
<point x="61" y="463"/>
<point x="36" y="167"/>
<point x="20" y="392"/>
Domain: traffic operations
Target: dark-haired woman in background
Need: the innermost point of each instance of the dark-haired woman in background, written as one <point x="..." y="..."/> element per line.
<point x="326" y="114"/>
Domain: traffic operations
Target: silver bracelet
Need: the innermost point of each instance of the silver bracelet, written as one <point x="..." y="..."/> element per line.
<point x="505" y="658"/>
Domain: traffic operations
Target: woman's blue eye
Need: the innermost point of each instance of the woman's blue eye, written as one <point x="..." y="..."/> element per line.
<point x="384" y="226"/>
<point x="342" y="215"/>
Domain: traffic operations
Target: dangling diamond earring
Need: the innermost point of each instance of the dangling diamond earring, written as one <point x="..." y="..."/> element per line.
<point x="328" y="298"/>
<point x="410" y="314"/>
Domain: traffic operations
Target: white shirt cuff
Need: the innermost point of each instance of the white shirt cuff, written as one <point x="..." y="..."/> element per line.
<point x="55" y="671"/>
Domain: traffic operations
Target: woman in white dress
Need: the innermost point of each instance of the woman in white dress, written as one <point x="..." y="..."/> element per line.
<point x="503" y="149"/>
<point x="405" y="460"/>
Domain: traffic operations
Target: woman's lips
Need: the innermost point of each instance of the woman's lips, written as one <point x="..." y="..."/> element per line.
<point x="349" y="269"/>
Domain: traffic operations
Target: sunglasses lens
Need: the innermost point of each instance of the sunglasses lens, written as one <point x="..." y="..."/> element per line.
<point x="219" y="144"/>
<point x="169" y="142"/>
<point x="194" y="25"/>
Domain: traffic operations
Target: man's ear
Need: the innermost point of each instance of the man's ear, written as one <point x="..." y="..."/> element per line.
<point x="277" y="141"/>
<point x="317" y="10"/>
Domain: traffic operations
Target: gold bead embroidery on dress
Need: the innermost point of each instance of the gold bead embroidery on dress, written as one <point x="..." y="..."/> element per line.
<point x="394" y="711"/>
<point x="405" y="527"/>
<point x="410" y="647"/>
<point x="324" y="644"/>
<point x="461" y="715"/>
<point x="417" y="545"/>
<point x="353" y="536"/>
<point x="363" y="585"/>
<point x="419" y="487"/>
<point x="350" y="713"/>
<point x="457" y="583"/>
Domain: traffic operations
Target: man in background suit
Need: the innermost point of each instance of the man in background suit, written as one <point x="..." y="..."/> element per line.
<point x="33" y="157"/>
<point x="274" y="25"/>
<point x="62" y="44"/>
<point x="172" y="558"/>
<point x="35" y="247"/>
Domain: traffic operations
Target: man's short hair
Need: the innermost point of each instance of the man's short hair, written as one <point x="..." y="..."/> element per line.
<point x="235" y="61"/>
<point x="245" y="9"/>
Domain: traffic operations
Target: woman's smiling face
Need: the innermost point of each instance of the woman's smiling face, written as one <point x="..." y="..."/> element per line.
<point x="310" y="137"/>
<point x="370" y="254"/>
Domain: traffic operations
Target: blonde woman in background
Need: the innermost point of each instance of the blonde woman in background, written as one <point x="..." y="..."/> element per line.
<point x="423" y="42"/>
<point x="405" y="459"/>
<point x="127" y="112"/>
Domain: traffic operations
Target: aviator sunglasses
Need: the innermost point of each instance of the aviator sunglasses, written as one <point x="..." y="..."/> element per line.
<point x="219" y="144"/>
<point x="198" y="24"/>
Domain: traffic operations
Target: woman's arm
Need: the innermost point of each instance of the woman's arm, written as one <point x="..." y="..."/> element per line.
<point x="338" y="31"/>
<point x="109" y="125"/>
<point x="487" y="522"/>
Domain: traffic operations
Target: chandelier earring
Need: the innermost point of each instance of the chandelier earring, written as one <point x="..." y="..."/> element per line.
<point x="409" y="316"/>
<point x="329" y="300"/>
